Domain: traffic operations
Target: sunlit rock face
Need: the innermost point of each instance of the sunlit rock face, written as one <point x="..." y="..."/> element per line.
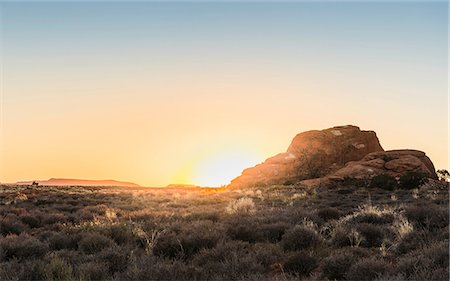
<point x="312" y="154"/>
<point x="392" y="162"/>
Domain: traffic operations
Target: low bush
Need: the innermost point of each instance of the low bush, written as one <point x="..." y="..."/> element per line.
<point x="372" y="235"/>
<point x="92" y="243"/>
<point x="300" y="263"/>
<point x="115" y="258"/>
<point x="232" y="260"/>
<point x="58" y="269"/>
<point x="61" y="240"/>
<point x="22" y="247"/>
<point x="428" y="216"/>
<point x="411" y="180"/>
<point x="241" y="206"/>
<point x="428" y="263"/>
<point x="12" y="225"/>
<point x="354" y="182"/>
<point x="187" y="242"/>
<point x="384" y="181"/>
<point x="299" y="238"/>
<point x="367" y="269"/>
<point x="31" y="221"/>
<point x="94" y="270"/>
<point x="328" y="214"/>
<point x="335" y="267"/>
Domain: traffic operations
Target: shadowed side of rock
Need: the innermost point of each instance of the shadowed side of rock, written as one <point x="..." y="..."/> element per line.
<point x="392" y="162"/>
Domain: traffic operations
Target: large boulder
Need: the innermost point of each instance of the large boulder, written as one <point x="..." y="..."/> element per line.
<point x="392" y="162"/>
<point x="312" y="154"/>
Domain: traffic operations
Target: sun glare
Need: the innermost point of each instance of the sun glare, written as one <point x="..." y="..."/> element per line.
<point x="220" y="168"/>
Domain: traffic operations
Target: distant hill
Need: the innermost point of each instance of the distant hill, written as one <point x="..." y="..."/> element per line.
<point x="80" y="182"/>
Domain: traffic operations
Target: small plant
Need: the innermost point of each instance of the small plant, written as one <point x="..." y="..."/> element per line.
<point x="243" y="205"/>
<point x="22" y="247"/>
<point x="299" y="238"/>
<point x="93" y="242"/>
<point x="383" y="181"/>
<point x="354" y="182"/>
<point x="367" y="269"/>
<point x="411" y="180"/>
<point x="328" y="214"/>
<point x="402" y="227"/>
<point x="300" y="263"/>
<point x="336" y="266"/>
<point x="373" y="235"/>
<point x="354" y="237"/>
<point x="58" y="269"/>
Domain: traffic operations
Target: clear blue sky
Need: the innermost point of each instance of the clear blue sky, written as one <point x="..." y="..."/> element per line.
<point x="134" y="77"/>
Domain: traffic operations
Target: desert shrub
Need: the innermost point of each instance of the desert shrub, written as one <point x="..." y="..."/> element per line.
<point x="372" y="235"/>
<point x="272" y="232"/>
<point x="12" y="225"/>
<point x="58" y="269"/>
<point x="168" y="245"/>
<point x="242" y="228"/>
<point x="54" y="218"/>
<point x="187" y="242"/>
<point x="354" y="182"/>
<point x="383" y="181"/>
<point x="194" y="241"/>
<point x="340" y="237"/>
<point x="428" y="216"/>
<point x="242" y="205"/>
<point x="150" y="268"/>
<point x="94" y="270"/>
<point x="328" y="214"/>
<point x="367" y="269"/>
<point x="212" y="216"/>
<point x="120" y="233"/>
<point x="31" y="221"/>
<point x="411" y="241"/>
<point x="299" y="238"/>
<point x="92" y="243"/>
<point x="373" y="218"/>
<point x="411" y="180"/>
<point x="336" y="266"/>
<point x="22" y="247"/>
<point x="115" y="258"/>
<point x="246" y="229"/>
<point x="267" y="254"/>
<point x="300" y="263"/>
<point x="63" y="240"/>
<point x="426" y="263"/>
<point x="16" y="269"/>
<point x="230" y="260"/>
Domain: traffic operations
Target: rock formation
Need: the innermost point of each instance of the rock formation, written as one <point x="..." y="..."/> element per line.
<point x="316" y="157"/>
<point x="392" y="162"/>
<point x="312" y="154"/>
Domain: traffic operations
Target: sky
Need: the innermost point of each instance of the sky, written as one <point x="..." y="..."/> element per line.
<point x="193" y="92"/>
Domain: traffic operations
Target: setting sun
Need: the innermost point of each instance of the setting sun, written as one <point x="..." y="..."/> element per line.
<point x="220" y="168"/>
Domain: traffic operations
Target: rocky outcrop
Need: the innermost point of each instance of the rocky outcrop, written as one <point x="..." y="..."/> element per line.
<point x="312" y="154"/>
<point x="392" y="162"/>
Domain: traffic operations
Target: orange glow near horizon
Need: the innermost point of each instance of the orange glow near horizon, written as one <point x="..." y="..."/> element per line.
<point x="220" y="168"/>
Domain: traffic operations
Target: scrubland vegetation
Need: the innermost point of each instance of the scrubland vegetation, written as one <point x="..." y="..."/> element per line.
<point x="353" y="230"/>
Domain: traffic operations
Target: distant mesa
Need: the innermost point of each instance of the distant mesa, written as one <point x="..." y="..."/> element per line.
<point x="78" y="182"/>
<point x="332" y="154"/>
